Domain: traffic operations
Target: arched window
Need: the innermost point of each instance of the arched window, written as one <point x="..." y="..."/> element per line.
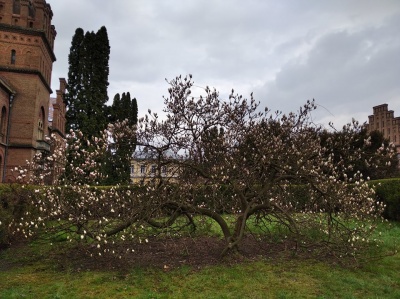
<point x="3" y="126"/>
<point x="1" y="169"/>
<point x="17" y="7"/>
<point x="13" y="56"/>
<point x="28" y="58"/>
<point x="40" y="135"/>
<point x="31" y="9"/>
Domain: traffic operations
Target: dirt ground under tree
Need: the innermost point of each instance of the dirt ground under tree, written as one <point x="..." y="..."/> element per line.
<point x="166" y="254"/>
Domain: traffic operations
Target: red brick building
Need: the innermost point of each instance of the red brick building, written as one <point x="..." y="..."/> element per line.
<point x="26" y="61"/>
<point x="384" y="121"/>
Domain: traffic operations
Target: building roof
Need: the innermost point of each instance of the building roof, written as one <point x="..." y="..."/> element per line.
<point x="7" y="86"/>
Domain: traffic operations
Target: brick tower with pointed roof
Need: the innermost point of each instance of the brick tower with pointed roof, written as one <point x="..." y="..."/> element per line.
<point x="26" y="60"/>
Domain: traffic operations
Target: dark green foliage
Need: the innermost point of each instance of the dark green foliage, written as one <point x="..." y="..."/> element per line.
<point x="388" y="191"/>
<point x="88" y="82"/>
<point x="14" y="203"/>
<point x="218" y="197"/>
<point x="87" y="87"/>
<point x="86" y="102"/>
<point x="384" y="171"/>
<point x="124" y="108"/>
<point x="118" y="157"/>
<point x="73" y="98"/>
<point x="299" y="197"/>
<point x="369" y="143"/>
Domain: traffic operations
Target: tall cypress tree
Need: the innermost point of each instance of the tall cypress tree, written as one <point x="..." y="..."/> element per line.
<point x="88" y="82"/>
<point x="123" y="107"/>
<point x="87" y="86"/>
<point x="73" y="97"/>
<point x="87" y="97"/>
<point x="120" y="153"/>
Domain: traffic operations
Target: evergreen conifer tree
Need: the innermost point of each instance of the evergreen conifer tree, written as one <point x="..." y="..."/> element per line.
<point x="87" y="87"/>
<point x="88" y="82"/>
<point x="87" y="97"/>
<point x="73" y="97"/>
<point x="120" y="153"/>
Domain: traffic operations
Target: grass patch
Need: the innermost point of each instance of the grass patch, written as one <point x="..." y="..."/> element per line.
<point x="36" y="270"/>
<point x="278" y="279"/>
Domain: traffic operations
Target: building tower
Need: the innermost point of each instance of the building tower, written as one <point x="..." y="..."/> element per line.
<point x="384" y="121"/>
<point x="26" y="60"/>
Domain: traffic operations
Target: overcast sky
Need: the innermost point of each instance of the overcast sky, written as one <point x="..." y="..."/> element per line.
<point x="345" y="54"/>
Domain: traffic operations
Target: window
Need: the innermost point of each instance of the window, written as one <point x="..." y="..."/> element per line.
<point x="13" y="56"/>
<point x="164" y="169"/>
<point x="31" y="9"/>
<point x="132" y="169"/>
<point x="17" y="7"/>
<point x="3" y="122"/>
<point x="40" y="135"/>
<point x="153" y="169"/>
<point x="28" y="58"/>
<point x="142" y="169"/>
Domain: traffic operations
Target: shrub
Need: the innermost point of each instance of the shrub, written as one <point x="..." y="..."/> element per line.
<point x="388" y="192"/>
<point x="14" y="203"/>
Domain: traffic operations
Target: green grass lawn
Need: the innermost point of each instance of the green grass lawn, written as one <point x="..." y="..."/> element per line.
<point x="39" y="276"/>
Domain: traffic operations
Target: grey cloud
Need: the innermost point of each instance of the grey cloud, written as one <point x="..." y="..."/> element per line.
<point x="343" y="53"/>
<point x="345" y="72"/>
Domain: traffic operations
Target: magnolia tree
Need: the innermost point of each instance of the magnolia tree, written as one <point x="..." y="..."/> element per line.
<point x="233" y="158"/>
<point x="73" y="206"/>
<point x="224" y="160"/>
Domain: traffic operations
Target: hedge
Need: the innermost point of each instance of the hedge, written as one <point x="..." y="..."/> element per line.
<point x="388" y="192"/>
<point x="14" y="202"/>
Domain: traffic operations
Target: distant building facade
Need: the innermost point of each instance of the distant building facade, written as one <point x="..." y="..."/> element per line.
<point x="26" y="61"/>
<point x="145" y="171"/>
<point x="384" y="121"/>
